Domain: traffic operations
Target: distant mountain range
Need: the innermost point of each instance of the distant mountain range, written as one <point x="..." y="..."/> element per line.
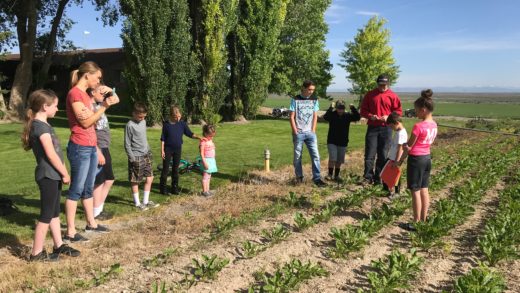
<point x="457" y="89"/>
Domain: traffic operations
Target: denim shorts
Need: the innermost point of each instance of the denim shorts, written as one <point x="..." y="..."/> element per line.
<point x="83" y="166"/>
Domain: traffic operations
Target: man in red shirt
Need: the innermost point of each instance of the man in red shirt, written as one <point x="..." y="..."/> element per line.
<point x="376" y="106"/>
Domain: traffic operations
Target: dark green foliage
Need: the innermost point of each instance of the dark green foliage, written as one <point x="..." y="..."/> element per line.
<point x="302" y="53"/>
<point x="480" y="280"/>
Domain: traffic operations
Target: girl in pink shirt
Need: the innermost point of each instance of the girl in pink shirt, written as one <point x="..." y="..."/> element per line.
<point x="207" y="153"/>
<point x="419" y="159"/>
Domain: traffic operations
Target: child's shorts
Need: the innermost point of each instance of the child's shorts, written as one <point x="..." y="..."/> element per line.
<point x="336" y="153"/>
<point x="212" y="166"/>
<point x="140" y="168"/>
<point x="105" y="172"/>
<point x="418" y="172"/>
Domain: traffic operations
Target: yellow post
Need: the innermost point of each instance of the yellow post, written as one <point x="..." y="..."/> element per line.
<point x="267" y="156"/>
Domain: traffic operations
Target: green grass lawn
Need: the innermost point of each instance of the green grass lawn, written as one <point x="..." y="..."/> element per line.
<point x="240" y="148"/>
<point x="485" y="110"/>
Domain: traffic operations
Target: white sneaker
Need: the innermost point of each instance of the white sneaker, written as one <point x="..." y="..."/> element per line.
<point x="152" y="204"/>
<point x="142" y="207"/>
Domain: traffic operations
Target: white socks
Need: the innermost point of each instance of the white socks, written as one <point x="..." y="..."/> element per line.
<point x="98" y="210"/>
<point x="136" y="199"/>
<point x="146" y="196"/>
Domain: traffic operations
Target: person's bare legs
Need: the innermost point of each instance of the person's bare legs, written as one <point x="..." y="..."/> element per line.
<point x="425" y="203"/>
<point x="56" y="232"/>
<point x="39" y="237"/>
<point x="100" y="193"/>
<point x="416" y="205"/>
<point x="70" y="213"/>
<point x="88" y="206"/>
<point x="148" y="184"/>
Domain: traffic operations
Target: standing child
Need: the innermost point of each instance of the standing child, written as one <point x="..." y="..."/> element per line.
<point x="399" y="139"/>
<point x="207" y="153"/>
<point x="50" y="173"/>
<point x="337" y="138"/>
<point x="419" y="159"/>
<point x="105" y="174"/>
<point x="139" y="157"/>
<point x="171" y="148"/>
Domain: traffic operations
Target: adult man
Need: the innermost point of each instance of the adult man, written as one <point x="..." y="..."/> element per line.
<point x="304" y="116"/>
<point x="376" y="106"/>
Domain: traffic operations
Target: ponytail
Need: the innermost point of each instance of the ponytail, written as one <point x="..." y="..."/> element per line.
<point x="84" y="68"/>
<point x="74" y="78"/>
<point x="29" y="117"/>
<point x="34" y="105"/>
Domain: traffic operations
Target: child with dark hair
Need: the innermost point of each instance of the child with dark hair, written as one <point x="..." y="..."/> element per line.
<point x="399" y="139"/>
<point x="337" y="137"/>
<point x="207" y="153"/>
<point x="50" y="173"/>
<point x="139" y="157"/>
<point x="419" y="159"/>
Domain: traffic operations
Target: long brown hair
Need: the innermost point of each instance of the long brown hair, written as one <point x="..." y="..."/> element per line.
<point x="86" y="67"/>
<point x="35" y="103"/>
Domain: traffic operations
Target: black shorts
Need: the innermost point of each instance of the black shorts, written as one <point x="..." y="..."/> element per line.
<point x="50" y="191"/>
<point x="105" y="172"/>
<point x="418" y="172"/>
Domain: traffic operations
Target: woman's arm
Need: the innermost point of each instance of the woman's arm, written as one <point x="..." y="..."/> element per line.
<point x="53" y="157"/>
<point x="202" y="156"/>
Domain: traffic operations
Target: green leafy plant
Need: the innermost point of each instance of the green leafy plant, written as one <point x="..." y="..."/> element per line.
<point x="278" y="233"/>
<point x="158" y="287"/>
<point x="394" y="271"/>
<point x="208" y="268"/>
<point x="480" y="280"/>
<point x="288" y="277"/>
<point x="251" y="249"/>
<point x="294" y="200"/>
<point x="159" y="259"/>
<point x="347" y="240"/>
<point x="100" y="278"/>
<point x="302" y="223"/>
<point x="326" y="213"/>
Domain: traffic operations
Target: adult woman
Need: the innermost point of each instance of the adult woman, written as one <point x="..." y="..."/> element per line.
<point x="81" y="149"/>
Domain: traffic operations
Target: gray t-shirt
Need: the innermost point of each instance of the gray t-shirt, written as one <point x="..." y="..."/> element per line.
<point x="136" y="143"/>
<point x="102" y="130"/>
<point x="44" y="168"/>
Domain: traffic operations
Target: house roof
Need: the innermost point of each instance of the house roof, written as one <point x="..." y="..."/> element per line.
<point x="16" y="57"/>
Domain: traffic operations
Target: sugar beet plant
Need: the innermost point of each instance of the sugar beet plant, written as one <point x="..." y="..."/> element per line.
<point x="501" y="236"/>
<point x="205" y="269"/>
<point x="394" y="271"/>
<point x="480" y="280"/>
<point x="288" y="277"/>
<point x="453" y="211"/>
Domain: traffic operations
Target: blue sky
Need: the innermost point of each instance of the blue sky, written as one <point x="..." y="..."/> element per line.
<point x="437" y="43"/>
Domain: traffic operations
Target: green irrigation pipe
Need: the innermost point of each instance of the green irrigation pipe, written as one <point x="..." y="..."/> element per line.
<point x="478" y="130"/>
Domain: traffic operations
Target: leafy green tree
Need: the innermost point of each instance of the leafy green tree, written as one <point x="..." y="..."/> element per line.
<point x="4" y="36"/>
<point x="368" y="56"/>
<point x="210" y="27"/>
<point x="27" y="20"/>
<point x="253" y="47"/>
<point x="302" y="54"/>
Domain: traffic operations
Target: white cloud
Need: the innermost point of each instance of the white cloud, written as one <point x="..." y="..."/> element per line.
<point x="335" y="13"/>
<point x="86" y="32"/>
<point x="367" y="13"/>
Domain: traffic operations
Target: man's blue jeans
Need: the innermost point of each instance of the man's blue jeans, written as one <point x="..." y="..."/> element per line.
<point x="377" y="141"/>
<point x="309" y="138"/>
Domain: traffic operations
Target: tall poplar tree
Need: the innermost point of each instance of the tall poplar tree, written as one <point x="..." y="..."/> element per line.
<point x="302" y="53"/>
<point x="369" y="55"/>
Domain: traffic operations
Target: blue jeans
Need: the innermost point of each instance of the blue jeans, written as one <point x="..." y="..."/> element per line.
<point x="309" y="138"/>
<point x="83" y="166"/>
<point x="377" y="141"/>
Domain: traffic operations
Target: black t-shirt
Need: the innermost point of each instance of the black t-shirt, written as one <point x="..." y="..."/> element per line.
<point x="339" y="125"/>
<point x="44" y="168"/>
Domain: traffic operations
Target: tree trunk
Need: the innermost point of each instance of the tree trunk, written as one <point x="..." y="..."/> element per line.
<point x="42" y="76"/>
<point x="3" y="108"/>
<point x="26" y="28"/>
<point x="234" y="106"/>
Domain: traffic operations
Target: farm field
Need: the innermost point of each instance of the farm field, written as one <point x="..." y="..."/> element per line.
<point x="263" y="234"/>
<point x="457" y="104"/>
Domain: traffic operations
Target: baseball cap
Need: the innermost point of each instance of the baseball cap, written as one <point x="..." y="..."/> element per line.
<point x="382" y="79"/>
